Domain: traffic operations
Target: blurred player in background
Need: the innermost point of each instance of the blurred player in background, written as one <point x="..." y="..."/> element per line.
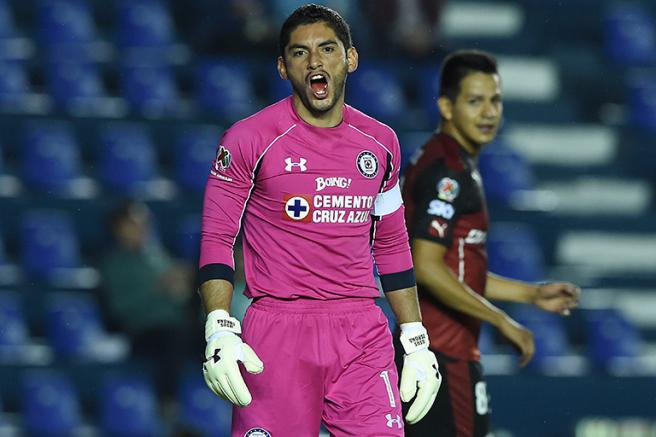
<point x="315" y="185"/>
<point x="448" y="222"/>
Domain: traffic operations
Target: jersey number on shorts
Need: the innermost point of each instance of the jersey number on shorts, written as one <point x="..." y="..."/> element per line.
<point x="482" y="403"/>
<point x="388" y="386"/>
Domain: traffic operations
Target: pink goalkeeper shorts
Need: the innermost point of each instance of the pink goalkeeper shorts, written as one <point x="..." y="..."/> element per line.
<point x="329" y="362"/>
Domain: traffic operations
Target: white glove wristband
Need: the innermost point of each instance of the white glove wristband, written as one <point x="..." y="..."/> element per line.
<point x="414" y="337"/>
<point x="218" y="322"/>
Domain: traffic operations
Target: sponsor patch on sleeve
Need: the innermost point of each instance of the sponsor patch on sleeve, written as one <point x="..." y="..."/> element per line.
<point x="223" y="159"/>
<point x="441" y="209"/>
<point x="221" y="164"/>
<point x="448" y="189"/>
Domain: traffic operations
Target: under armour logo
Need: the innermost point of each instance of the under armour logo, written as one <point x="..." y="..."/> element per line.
<point x="215" y="358"/>
<point x="391" y="421"/>
<point x="290" y="164"/>
<point x="440" y="228"/>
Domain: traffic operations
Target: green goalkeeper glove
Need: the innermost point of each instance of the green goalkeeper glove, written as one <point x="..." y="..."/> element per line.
<point x="420" y="372"/>
<point x="224" y="349"/>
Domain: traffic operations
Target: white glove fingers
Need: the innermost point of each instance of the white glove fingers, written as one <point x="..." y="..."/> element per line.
<point x="223" y="383"/>
<point x="408" y="386"/>
<point x="251" y="361"/>
<point x="425" y="398"/>
<point x="420" y="380"/>
<point x="214" y="387"/>
<point x="419" y="404"/>
<point x="218" y="391"/>
<point x="237" y="386"/>
<point x="209" y="384"/>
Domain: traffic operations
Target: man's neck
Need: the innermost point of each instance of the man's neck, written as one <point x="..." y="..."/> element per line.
<point x="467" y="146"/>
<point x="330" y="118"/>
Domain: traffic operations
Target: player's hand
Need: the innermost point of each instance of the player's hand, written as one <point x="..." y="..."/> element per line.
<point x="420" y="374"/>
<point x="520" y="337"/>
<point x="224" y="349"/>
<point x="557" y="297"/>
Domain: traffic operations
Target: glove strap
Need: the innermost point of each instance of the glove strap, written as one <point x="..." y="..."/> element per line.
<point x="414" y="337"/>
<point x="219" y="321"/>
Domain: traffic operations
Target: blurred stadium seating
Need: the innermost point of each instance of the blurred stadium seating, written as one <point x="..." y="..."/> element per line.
<point x="194" y="150"/>
<point x="377" y="90"/>
<point x="64" y="22"/>
<point x="14" y="334"/>
<point x="49" y="242"/>
<point x="76" y="330"/>
<point x="52" y="162"/>
<point x="152" y="91"/>
<point x="128" y="407"/>
<point x="50" y="404"/>
<point x="104" y="99"/>
<point x="514" y="252"/>
<point x="225" y="87"/>
<point x="201" y="410"/>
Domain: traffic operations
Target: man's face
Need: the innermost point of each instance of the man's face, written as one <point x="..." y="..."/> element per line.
<point x="132" y="230"/>
<point x="316" y="63"/>
<point x="474" y="118"/>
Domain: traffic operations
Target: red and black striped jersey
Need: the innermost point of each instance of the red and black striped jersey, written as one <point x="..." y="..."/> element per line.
<point x="445" y="203"/>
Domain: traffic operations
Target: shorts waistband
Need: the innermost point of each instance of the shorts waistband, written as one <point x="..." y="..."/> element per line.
<point x="315" y="306"/>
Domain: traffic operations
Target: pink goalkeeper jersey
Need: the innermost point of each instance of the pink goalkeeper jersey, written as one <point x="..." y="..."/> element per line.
<point x="305" y="197"/>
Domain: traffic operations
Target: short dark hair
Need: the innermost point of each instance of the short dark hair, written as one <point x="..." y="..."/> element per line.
<point x="459" y="64"/>
<point x="312" y="13"/>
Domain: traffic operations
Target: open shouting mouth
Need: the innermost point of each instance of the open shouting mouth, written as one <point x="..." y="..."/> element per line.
<point x="319" y="85"/>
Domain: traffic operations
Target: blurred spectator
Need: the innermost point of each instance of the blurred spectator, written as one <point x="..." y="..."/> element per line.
<point x="148" y="296"/>
<point x="408" y="27"/>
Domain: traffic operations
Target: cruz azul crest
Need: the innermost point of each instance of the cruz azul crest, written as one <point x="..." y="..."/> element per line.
<point x="367" y="164"/>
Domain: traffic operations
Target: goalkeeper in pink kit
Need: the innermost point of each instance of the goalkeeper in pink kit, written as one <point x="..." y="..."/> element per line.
<point x="313" y="184"/>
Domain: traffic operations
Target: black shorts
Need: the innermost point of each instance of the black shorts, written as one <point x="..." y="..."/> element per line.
<point x="462" y="407"/>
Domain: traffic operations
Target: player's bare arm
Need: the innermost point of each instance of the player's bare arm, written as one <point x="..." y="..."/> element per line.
<point x="433" y="273"/>
<point x="216" y="294"/>
<point x="557" y="297"/>
<point x="404" y="304"/>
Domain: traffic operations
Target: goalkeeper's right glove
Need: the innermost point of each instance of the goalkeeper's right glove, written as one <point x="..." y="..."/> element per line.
<point x="420" y="372"/>
<point x="224" y="349"/>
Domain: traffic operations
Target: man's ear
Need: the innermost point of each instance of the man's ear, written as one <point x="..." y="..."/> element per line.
<point x="282" y="68"/>
<point x="352" y="59"/>
<point x="445" y="105"/>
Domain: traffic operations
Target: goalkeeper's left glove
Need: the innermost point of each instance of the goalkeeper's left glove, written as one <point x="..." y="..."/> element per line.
<point x="420" y="372"/>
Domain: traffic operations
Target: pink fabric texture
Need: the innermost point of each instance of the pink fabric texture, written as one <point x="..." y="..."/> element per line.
<point x="332" y="361"/>
<point x="304" y="197"/>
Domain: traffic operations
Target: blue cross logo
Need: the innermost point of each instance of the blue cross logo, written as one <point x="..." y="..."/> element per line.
<point x="297" y="208"/>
